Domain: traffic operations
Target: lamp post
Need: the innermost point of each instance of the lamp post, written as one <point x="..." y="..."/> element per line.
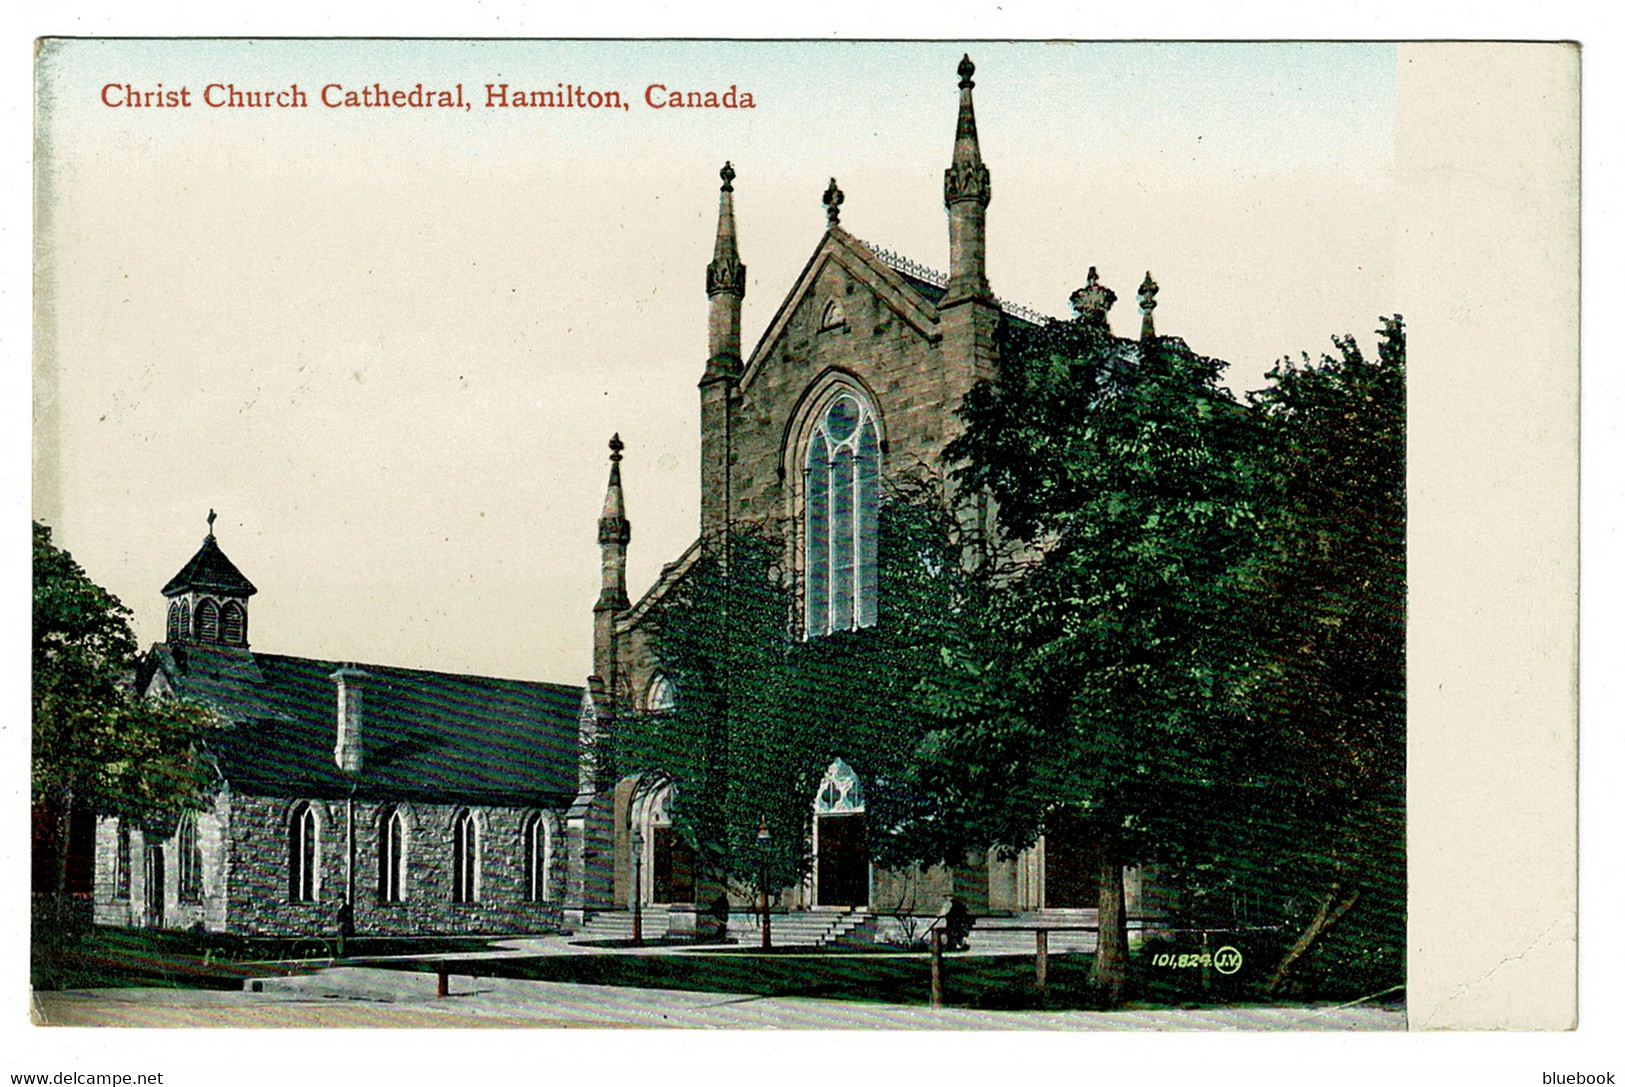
<point x="637" y="886"/>
<point x="764" y="839"/>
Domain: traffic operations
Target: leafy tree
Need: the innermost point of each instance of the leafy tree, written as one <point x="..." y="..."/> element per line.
<point x="761" y="714"/>
<point x="1322" y="605"/>
<point x="95" y="743"/>
<point x="1094" y="686"/>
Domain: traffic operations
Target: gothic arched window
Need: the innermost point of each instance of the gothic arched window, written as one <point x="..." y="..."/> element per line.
<point x="233" y="624"/>
<point x="662" y="695"/>
<point x="121" y="863"/>
<point x="304" y="853"/>
<point x="842" y="518"/>
<point x="208" y="621"/>
<point x="465" y="857"/>
<point x="392" y="856"/>
<point x="190" y="859"/>
<point x="177" y="622"/>
<point x="538" y="858"/>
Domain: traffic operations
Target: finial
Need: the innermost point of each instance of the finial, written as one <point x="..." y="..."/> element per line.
<point x="211" y="524"/>
<point x="727" y="174"/>
<point x="966" y="70"/>
<point x="1092" y="301"/>
<point x="615" y="447"/>
<point x="833" y="197"/>
<point x="1149" y="287"/>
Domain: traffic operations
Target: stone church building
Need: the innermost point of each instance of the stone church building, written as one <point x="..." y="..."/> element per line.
<point x="446" y="803"/>
<point x="854" y="381"/>
<point x="431" y="802"/>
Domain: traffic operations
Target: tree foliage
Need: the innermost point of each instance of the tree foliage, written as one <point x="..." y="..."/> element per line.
<point x="761" y="714"/>
<point x="1322" y="605"/>
<point x="95" y="742"/>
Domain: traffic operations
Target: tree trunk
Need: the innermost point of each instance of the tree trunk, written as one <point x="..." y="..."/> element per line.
<point x="64" y="833"/>
<point x="1330" y="910"/>
<point x="1110" y="974"/>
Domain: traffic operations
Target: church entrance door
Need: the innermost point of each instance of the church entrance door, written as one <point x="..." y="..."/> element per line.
<point x="1070" y="879"/>
<point x="843" y="860"/>
<point x="673" y="867"/>
<point x="152" y="870"/>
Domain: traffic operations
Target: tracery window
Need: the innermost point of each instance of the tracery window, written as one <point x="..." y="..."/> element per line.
<point x="842" y="518"/>
<point x="304" y="853"/>
<point x="840" y="793"/>
<point x="465" y="857"/>
<point x="392" y="856"/>
<point x="190" y="859"/>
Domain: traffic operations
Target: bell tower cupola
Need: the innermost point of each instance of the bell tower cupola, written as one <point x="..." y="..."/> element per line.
<point x="208" y="599"/>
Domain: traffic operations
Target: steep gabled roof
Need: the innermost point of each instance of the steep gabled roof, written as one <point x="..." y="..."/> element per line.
<point x="210" y="571"/>
<point x="431" y="737"/>
<point x="864" y="265"/>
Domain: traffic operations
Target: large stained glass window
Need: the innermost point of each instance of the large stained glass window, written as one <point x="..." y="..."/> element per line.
<point x="842" y="518"/>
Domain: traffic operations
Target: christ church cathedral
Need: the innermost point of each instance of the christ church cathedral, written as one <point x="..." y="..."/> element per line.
<point x="390" y="800"/>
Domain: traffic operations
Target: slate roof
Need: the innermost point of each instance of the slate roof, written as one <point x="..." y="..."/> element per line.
<point x="210" y="571"/>
<point x="430" y="737"/>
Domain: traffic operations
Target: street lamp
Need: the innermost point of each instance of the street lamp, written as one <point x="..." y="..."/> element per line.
<point x="637" y="886"/>
<point x="764" y="839"/>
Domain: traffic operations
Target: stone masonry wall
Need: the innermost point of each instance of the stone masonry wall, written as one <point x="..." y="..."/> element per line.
<point x="206" y="910"/>
<point x="905" y="370"/>
<point x="259" y="850"/>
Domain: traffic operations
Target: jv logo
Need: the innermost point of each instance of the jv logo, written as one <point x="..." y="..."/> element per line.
<point x="1227" y="960"/>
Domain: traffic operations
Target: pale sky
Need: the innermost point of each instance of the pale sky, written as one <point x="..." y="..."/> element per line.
<point x="388" y="346"/>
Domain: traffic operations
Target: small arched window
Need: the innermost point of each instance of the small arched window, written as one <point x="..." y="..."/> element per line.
<point x="465" y="857"/>
<point x="662" y="695"/>
<point x="842" y="514"/>
<point x="834" y="316"/>
<point x="304" y="853"/>
<point x="189" y="859"/>
<point x="840" y="792"/>
<point x="392" y="856"/>
<point x="538" y="845"/>
<point x="121" y="862"/>
<point x="233" y="624"/>
<point x="177" y="621"/>
<point x="208" y="621"/>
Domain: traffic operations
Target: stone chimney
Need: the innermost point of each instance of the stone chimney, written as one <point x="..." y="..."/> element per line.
<point x="351" y="682"/>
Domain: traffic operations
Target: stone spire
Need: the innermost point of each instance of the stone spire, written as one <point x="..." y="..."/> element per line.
<point x="725" y="286"/>
<point x="1148" y="302"/>
<point x="614" y="533"/>
<point x="1092" y="302"/>
<point x="967" y="188"/>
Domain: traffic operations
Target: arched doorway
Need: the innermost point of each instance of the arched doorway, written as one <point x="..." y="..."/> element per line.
<point x="840" y="839"/>
<point x="668" y="862"/>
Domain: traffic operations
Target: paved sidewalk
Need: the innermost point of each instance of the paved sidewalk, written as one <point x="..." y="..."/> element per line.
<point x="358" y="996"/>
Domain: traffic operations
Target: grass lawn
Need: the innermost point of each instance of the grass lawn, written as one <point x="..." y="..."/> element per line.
<point x="102" y="958"/>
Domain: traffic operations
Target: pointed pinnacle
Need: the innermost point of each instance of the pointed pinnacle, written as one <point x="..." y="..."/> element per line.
<point x="833" y="198"/>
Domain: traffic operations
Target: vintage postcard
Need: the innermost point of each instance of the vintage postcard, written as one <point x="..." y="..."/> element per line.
<point x="803" y="534"/>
